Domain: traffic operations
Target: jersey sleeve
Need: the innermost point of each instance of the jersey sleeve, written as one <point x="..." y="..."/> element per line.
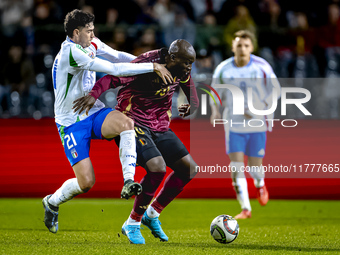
<point x="79" y="58"/>
<point x="112" y="55"/>
<point x="103" y="84"/>
<point x="272" y="83"/>
<point x="109" y="81"/>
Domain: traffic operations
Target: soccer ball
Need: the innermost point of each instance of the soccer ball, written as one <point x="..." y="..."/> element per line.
<point x="224" y="229"/>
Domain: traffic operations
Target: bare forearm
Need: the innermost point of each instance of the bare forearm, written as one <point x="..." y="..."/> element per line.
<point x="190" y="92"/>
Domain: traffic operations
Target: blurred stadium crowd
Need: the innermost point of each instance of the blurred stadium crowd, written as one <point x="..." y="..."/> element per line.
<point x="300" y="39"/>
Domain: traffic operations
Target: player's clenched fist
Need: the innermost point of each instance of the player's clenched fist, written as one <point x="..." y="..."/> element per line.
<point x="84" y="103"/>
<point x="184" y="110"/>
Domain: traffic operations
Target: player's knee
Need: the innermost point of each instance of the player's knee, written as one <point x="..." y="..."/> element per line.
<point x="187" y="173"/>
<point x="193" y="170"/>
<point x="127" y="124"/>
<point x="186" y="167"/>
<point x="156" y="165"/>
<point x="189" y="170"/>
<point x="87" y="184"/>
<point x="158" y="169"/>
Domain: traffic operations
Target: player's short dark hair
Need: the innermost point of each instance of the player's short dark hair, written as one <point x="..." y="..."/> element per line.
<point x="246" y="34"/>
<point x="77" y="19"/>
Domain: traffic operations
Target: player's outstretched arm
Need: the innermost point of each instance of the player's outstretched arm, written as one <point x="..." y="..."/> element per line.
<point x="131" y="69"/>
<point x="84" y="103"/>
<point x="112" y="55"/>
<point x="123" y="69"/>
<point x="81" y="60"/>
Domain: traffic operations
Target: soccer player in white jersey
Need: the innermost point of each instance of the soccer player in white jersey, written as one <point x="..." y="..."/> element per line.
<point x="73" y="76"/>
<point x="245" y="136"/>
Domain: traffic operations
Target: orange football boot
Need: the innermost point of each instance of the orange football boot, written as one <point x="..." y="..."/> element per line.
<point x="245" y="214"/>
<point x="262" y="195"/>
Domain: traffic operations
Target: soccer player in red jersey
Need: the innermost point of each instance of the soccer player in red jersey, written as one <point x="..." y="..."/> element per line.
<point x="147" y="100"/>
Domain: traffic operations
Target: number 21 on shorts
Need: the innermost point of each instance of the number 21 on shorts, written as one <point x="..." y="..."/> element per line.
<point x="68" y="139"/>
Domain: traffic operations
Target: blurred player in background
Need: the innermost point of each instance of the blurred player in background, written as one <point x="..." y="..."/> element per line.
<point x="245" y="70"/>
<point x="73" y="76"/>
<point x="147" y="100"/>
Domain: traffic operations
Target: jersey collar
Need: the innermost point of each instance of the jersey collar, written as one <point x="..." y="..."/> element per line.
<point x="69" y="39"/>
<point x="247" y="65"/>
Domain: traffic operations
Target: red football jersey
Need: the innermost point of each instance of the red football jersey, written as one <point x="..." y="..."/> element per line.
<point x="146" y="98"/>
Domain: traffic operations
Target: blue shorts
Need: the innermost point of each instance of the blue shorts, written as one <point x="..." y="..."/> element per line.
<point x="76" y="138"/>
<point x="251" y="144"/>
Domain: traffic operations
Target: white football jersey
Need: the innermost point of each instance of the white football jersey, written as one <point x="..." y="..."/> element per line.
<point x="258" y="75"/>
<point x="74" y="76"/>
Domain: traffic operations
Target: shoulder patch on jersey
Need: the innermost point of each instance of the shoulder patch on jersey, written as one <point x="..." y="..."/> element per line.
<point x="72" y="61"/>
<point x="91" y="55"/>
<point x="81" y="48"/>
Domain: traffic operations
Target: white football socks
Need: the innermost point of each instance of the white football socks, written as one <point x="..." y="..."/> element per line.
<point x="151" y="212"/>
<point x="240" y="184"/>
<point x="258" y="175"/>
<point x="66" y="192"/>
<point x="127" y="154"/>
<point x="131" y="221"/>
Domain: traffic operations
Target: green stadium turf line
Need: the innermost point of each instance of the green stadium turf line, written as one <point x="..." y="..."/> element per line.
<point x="92" y="226"/>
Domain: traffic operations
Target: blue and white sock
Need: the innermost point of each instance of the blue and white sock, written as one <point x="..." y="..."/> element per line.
<point x="127" y="154"/>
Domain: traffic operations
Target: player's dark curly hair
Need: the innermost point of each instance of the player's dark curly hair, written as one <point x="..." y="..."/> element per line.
<point x="77" y="19"/>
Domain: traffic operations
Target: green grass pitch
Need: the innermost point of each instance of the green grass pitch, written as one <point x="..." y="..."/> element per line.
<point x="92" y="226"/>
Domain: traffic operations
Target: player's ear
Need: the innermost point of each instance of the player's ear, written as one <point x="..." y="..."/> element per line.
<point x="172" y="57"/>
<point x="232" y="46"/>
<point x="251" y="48"/>
<point x="76" y="32"/>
